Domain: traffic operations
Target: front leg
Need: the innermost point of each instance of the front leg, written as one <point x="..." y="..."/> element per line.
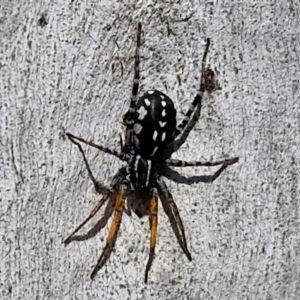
<point x="207" y="83"/>
<point x="120" y="155"/>
<point x="100" y="188"/>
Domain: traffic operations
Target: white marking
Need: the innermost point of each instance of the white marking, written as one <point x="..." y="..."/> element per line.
<point x="128" y="173"/>
<point x="150" y="92"/>
<point x="163" y="136"/>
<point x="136" y="141"/>
<point x="137" y="128"/>
<point x="162" y="124"/>
<point x="137" y="159"/>
<point x="163" y="103"/>
<point x="163" y="113"/>
<point x="155" y="133"/>
<point x="147" y="102"/>
<point x="122" y="138"/>
<point x="148" y="171"/>
<point x="162" y="97"/>
<point x="142" y="113"/>
<point x="155" y="149"/>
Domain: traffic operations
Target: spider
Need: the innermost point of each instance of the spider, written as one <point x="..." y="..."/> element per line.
<point x="149" y="137"/>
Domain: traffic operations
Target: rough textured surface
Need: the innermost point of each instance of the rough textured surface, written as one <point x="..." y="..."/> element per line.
<point x="67" y="65"/>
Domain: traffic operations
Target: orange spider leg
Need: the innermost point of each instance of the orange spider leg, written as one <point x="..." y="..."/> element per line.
<point x="93" y="212"/>
<point x="114" y="228"/>
<point x="153" y="226"/>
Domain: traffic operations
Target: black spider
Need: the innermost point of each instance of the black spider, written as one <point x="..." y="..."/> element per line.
<point x="149" y="138"/>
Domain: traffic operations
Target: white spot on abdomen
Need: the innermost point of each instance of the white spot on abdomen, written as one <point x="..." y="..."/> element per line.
<point x="150" y="92"/>
<point x="147" y="101"/>
<point x="163" y="113"/>
<point x="155" y="149"/>
<point x="136" y="141"/>
<point x="137" y="128"/>
<point x="163" y="136"/>
<point x="142" y="113"/>
<point x="162" y="124"/>
<point x="163" y="103"/>
<point x="136" y="163"/>
<point x="155" y="133"/>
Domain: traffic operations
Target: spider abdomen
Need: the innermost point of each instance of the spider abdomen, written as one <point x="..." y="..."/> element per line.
<point x="155" y="123"/>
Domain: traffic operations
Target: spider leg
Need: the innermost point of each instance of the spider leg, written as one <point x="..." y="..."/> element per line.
<point x="200" y="92"/>
<point x="178" y="178"/>
<point x="168" y="203"/>
<point x="182" y="163"/>
<point x="91" y="215"/>
<point x="101" y="189"/>
<point x="114" y="228"/>
<point x="193" y="114"/>
<point x="136" y="78"/>
<point x="129" y="117"/>
<point x="153" y="226"/>
<point x="218" y="173"/>
<point x="121" y="156"/>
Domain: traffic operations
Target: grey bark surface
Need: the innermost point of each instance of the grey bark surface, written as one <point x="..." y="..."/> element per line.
<point x="68" y="66"/>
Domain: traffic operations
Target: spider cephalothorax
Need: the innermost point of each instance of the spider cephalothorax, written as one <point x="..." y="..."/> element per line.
<point x="149" y="138"/>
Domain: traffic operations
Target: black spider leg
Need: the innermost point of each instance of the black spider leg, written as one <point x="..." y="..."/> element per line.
<point x="172" y="212"/>
<point x="181" y="163"/>
<point x="192" y="115"/>
<point x="100" y="188"/>
<point x="129" y="118"/>
<point x="198" y="98"/>
<point x="136" y="78"/>
<point x="179" y="178"/>
<point x="121" y="156"/>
